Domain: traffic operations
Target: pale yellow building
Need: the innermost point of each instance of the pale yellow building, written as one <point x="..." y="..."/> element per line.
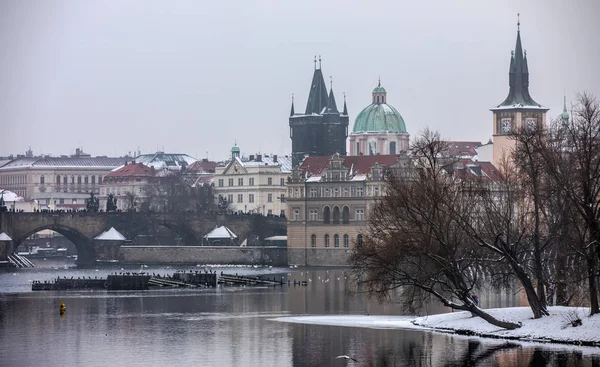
<point x="329" y="201"/>
<point x="254" y="185"/>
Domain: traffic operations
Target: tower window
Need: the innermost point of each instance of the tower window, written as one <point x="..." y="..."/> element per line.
<point x="392" y="147"/>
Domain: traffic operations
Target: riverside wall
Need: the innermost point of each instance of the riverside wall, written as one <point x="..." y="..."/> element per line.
<point x="263" y="255"/>
<point x="318" y="256"/>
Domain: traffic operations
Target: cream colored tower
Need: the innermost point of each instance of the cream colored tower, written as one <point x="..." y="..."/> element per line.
<point x="518" y="109"/>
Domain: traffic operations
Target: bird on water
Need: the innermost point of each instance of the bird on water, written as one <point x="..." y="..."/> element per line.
<point x="346" y="357"/>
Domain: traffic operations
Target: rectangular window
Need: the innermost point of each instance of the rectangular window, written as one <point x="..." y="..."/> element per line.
<point x="250" y="198"/>
<point x="270" y="181"/>
<point x="62" y="201"/>
<point x="251" y="181"/>
<point x="336" y="192"/>
<point x="85" y="180"/>
<point x="270" y="198"/>
<point x="72" y="180"/>
<point x="220" y="182"/>
<point x="282" y="181"/>
<point x="313" y="192"/>
<point x="359" y="191"/>
<point x="360" y="214"/>
<point x="282" y="198"/>
<point x="345" y="192"/>
<point x="240" y="198"/>
<point x="313" y="214"/>
<point x="230" y="182"/>
<point x="296" y="214"/>
<point x="230" y="198"/>
<point x="269" y="212"/>
<point x="326" y="192"/>
<point x="240" y="181"/>
<point x="376" y="190"/>
<point x="282" y="214"/>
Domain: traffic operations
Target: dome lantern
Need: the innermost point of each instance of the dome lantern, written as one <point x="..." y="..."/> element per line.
<point x="379" y="94"/>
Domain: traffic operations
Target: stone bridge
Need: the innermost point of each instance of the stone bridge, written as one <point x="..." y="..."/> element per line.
<point x="82" y="227"/>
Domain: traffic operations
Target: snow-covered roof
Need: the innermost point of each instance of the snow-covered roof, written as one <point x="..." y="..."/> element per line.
<point x="4" y="237"/>
<point x="10" y="196"/>
<point x="65" y="162"/>
<point x="111" y="235"/>
<point x="515" y="106"/>
<point x="162" y="160"/>
<point x="314" y="179"/>
<point x="4" y="161"/>
<point x="268" y="161"/>
<point x="220" y="232"/>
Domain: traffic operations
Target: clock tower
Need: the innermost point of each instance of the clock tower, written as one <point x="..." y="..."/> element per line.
<point x="518" y="109"/>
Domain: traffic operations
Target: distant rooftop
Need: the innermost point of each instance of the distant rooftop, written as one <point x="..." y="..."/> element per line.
<point x="162" y="160"/>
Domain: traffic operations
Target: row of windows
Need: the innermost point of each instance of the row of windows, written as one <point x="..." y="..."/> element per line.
<point x="313" y="215"/>
<point x="336" y="240"/>
<point x="13" y="180"/>
<point x="79" y="179"/>
<point x="117" y="191"/>
<point x="372" y="147"/>
<point x="335" y="192"/>
<point x="240" y="198"/>
<point x="250" y="181"/>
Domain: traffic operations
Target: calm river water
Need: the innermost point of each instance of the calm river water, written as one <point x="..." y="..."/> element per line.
<point x="231" y="326"/>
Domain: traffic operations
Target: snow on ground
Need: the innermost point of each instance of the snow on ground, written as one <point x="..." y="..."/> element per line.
<point x="553" y="328"/>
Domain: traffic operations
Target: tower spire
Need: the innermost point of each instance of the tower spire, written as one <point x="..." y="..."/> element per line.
<point x="345" y="107"/>
<point x="518" y="22"/>
<point x="292" y="109"/>
<point x="565" y="114"/>
<point x="317" y="97"/>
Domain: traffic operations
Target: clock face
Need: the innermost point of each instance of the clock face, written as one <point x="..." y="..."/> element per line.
<point x="506" y="125"/>
<point x="530" y="124"/>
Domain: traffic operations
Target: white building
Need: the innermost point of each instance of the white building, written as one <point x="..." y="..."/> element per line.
<point x="254" y="185"/>
<point x="29" y="176"/>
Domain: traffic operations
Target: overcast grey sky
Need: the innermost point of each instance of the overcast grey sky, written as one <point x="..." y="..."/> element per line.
<point x="196" y="76"/>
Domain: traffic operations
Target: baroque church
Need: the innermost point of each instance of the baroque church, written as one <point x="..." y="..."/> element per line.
<point x="518" y="110"/>
<point x="379" y="128"/>
<point x="321" y="130"/>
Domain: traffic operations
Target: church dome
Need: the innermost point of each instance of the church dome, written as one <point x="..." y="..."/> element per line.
<point x="379" y="117"/>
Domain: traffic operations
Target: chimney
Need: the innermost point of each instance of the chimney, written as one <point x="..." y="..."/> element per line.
<point x="259" y="158"/>
<point x="77" y="152"/>
<point x="274" y="158"/>
<point x="251" y="157"/>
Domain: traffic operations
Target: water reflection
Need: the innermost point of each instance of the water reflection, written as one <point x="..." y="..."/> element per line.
<point x="232" y="327"/>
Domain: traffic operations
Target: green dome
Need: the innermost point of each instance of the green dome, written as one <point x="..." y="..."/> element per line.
<point x="379" y="118"/>
<point x="379" y="89"/>
<point x="235" y="149"/>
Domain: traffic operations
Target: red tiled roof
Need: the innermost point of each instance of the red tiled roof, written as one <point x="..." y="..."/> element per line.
<point x="133" y="169"/>
<point x="463" y="148"/>
<point x="467" y="168"/>
<point x="360" y="164"/>
<point x="203" y="166"/>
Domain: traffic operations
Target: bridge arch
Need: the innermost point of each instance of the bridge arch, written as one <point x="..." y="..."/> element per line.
<point x="83" y="244"/>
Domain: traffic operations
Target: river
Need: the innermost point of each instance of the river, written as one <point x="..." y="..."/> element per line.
<point x="232" y="326"/>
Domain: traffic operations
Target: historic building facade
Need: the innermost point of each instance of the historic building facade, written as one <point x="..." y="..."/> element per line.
<point x="379" y="128"/>
<point x="256" y="184"/>
<point x="37" y="177"/>
<point x="129" y="185"/>
<point x="329" y="201"/>
<point x="518" y="110"/>
<point x="321" y="130"/>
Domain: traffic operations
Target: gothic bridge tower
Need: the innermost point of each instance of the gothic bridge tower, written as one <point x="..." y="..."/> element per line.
<point x="321" y="130"/>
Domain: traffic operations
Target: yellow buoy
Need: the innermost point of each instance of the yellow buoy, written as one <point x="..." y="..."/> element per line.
<point x="62" y="308"/>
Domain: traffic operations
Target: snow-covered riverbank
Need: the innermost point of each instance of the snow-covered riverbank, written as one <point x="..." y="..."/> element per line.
<point x="554" y="328"/>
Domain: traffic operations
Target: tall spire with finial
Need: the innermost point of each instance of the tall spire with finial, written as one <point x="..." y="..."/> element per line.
<point x="518" y="94"/>
<point x="331" y="105"/>
<point x="565" y="114"/>
<point x="317" y="97"/>
<point x="345" y="107"/>
<point x="292" y="109"/>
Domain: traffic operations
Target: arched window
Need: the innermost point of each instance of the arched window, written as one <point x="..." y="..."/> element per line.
<point x="42" y="179"/>
<point x="357" y="148"/>
<point x="326" y="215"/>
<point x="377" y="99"/>
<point x="326" y="240"/>
<point x="336" y="240"/>
<point x="86" y="180"/>
<point x="359" y="240"/>
<point x="313" y="240"/>
<point x="93" y="180"/>
<point x="79" y="180"/>
<point x="346" y="215"/>
<point x="392" y="147"/>
<point x="99" y="179"/>
<point x="346" y="241"/>
<point x="58" y="179"/>
<point x="336" y="215"/>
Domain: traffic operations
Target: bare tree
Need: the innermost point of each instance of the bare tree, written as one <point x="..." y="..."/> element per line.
<point x="131" y="201"/>
<point x="572" y="155"/>
<point x="415" y="246"/>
